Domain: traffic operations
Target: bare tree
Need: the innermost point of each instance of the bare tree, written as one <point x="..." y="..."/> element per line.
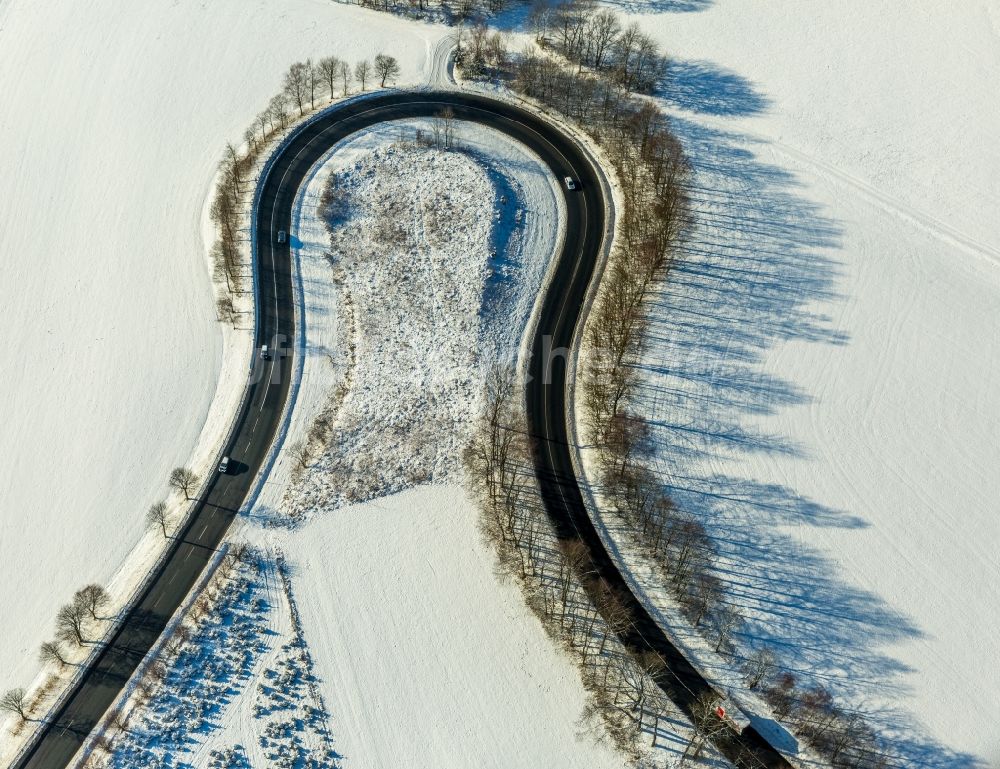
<point x="51" y="651"/>
<point x="490" y="457"/>
<point x="362" y="71"/>
<point x="539" y="18"/>
<point x="118" y="718"/>
<point x="640" y="65"/>
<point x="231" y="166"/>
<point x="301" y="453"/>
<point x="659" y="706"/>
<point x="344" y="73"/>
<point x="296" y="85"/>
<point x="329" y="70"/>
<point x="781" y="696"/>
<point x="441" y="127"/>
<point x="613" y="609"/>
<point x="464" y="9"/>
<point x="706" y="721"/>
<point x="93" y="597"/>
<point x="157" y="516"/>
<point x="474" y="59"/>
<point x="816" y="713"/>
<point x="703" y="594"/>
<point x="226" y="310"/>
<point x="758" y="666"/>
<point x="496" y="50"/>
<point x="224" y="213"/>
<point x="602" y="31"/>
<point x="459" y="37"/>
<point x="386" y="68"/>
<point x="157" y="671"/>
<point x="846" y="735"/>
<point x="15" y="701"/>
<point x="277" y="109"/>
<point x="570" y="20"/>
<point x="69" y="623"/>
<point x="263" y="122"/>
<point x="725" y="621"/>
<point x="638" y="677"/>
<point x="314" y="78"/>
<point x="446" y="120"/>
<point x="625" y="45"/>
<point x="250" y="137"/>
<point x="181" y="635"/>
<point x="184" y="480"/>
<point x="104" y="743"/>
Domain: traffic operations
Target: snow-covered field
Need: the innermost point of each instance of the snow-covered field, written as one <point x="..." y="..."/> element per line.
<point x="409" y="653"/>
<point x="824" y="372"/>
<point x="427" y="660"/>
<point x="115" y="116"/>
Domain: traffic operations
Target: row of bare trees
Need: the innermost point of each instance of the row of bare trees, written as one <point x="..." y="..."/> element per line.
<point x="90" y="600"/>
<point x="843" y="737"/>
<point x="594" y="37"/>
<point x="307" y="82"/>
<point x="234" y="179"/>
<point x="455" y="11"/>
<point x="652" y="169"/>
<point x="481" y="52"/>
<point x="305" y="86"/>
<point x="74" y="620"/>
<point x="73" y="629"/>
<point x="579" y="609"/>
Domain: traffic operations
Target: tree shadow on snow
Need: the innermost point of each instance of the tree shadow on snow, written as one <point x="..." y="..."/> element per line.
<point x="703" y="87"/>
<point x="661" y="6"/>
<point x="515" y="17"/>
<point x="759" y="270"/>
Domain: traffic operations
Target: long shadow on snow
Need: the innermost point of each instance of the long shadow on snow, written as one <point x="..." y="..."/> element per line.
<point x="661" y="6"/>
<point x="703" y="87"/>
<point x="755" y="274"/>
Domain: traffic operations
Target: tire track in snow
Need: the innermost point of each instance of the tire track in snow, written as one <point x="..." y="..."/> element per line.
<point x="894" y="206"/>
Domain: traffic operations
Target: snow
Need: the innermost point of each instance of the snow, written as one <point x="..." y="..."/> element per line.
<point x="452" y="671"/>
<point x="823" y="371"/>
<point x="115" y="117"/>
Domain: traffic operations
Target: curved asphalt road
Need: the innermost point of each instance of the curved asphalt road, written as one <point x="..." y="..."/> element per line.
<point x="259" y="419"/>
